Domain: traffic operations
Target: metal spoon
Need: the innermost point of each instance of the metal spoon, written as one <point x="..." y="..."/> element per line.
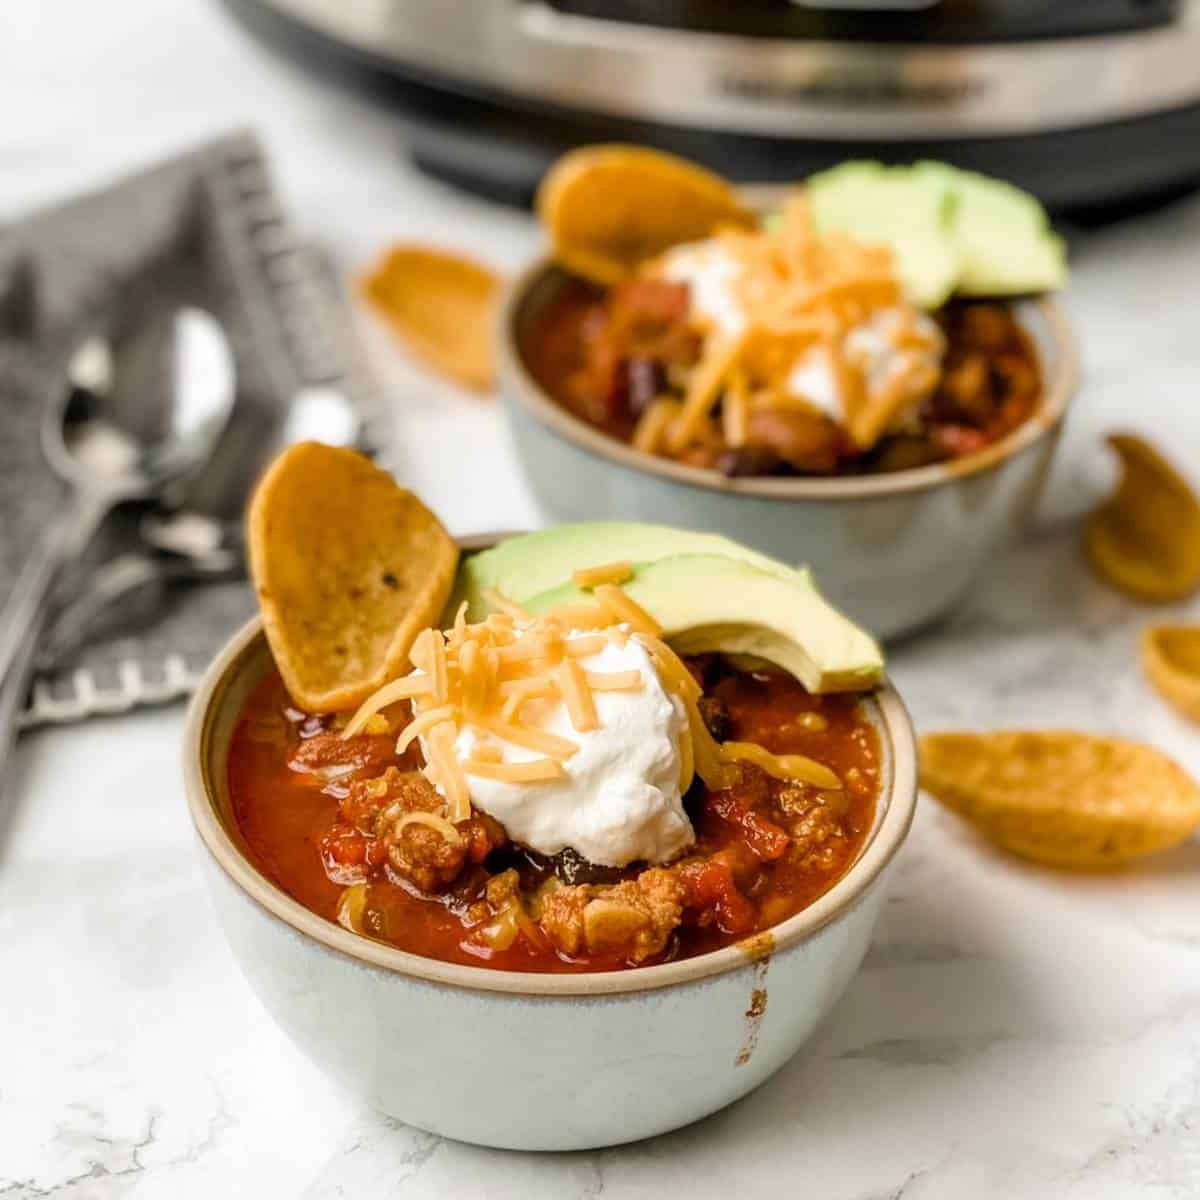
<point x="185" y="546"/>
<point x="105" y="465"/>
<point x="315" y="414"/>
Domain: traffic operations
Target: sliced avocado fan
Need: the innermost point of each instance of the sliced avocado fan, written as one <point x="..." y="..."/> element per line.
<point x="521" y="567"/>
<point x="708" y="592"/>
<point x="878" y="204"/>
<point x="951" y="231"/>
<point x="1003" y="234"/>
<point x="707" y="602"/>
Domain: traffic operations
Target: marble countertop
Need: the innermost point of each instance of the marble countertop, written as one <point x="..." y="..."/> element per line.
<point x="1013" y="1032"/>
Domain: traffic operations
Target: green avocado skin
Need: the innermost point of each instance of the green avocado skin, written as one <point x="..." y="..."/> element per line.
<point x="704" y="597"/>
<point x="521" y="567"/>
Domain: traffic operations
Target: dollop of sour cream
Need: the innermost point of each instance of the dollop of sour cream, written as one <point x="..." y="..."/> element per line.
<point x="619" y="801"/>
<point x="711" y="274"/>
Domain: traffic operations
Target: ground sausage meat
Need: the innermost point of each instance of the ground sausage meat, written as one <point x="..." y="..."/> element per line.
<point x="427" y="859"/>
<point x="632" y="919"/>
<point x="815" y="825"/>
<point x="373" y="804"/>
<point x="418" y="853"/>
<point x="329" y="756"/>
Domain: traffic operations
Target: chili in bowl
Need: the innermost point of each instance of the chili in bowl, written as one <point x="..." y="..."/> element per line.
<point x="592" y="868"/>
<point x="802" y="388"/>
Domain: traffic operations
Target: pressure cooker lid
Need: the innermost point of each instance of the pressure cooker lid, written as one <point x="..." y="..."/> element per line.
<point x="931" y="21"/>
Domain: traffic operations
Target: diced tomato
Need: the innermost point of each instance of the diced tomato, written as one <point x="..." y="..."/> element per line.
<point x="344" y="846"/>
<point x="713" y="897"/>
<point x="959" y="440"/>
<point x="764" y="837"/>
<point x="350" y="856"/>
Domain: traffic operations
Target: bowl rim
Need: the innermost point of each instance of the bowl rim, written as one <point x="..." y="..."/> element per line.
<point x="889" y="834"/>
<point x="518" y="383"/>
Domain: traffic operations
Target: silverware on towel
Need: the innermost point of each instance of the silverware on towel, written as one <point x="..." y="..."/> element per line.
<point x="184" y="546"/>
<point x="103" y="465"/>
<point x="315" y="414"/>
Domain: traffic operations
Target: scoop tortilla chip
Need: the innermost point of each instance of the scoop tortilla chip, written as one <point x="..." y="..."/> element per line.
<point x="444" y="308"/>
<point x="1171" y="659"/>
<point x="1145" y="539"/>
<point x="1061" y="798"/>
<point x="609" y="208"/>
<point x="349" y="568"/>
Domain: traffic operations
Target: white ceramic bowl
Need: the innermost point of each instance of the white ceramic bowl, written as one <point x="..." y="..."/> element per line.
<point x="533" y="1061"/>
<point x="895" y="551"/>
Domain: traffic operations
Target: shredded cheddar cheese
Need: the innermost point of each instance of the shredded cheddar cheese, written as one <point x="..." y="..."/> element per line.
<point x="625" y="609"/>
<point x="798" y="291"/>
<point x="613" y="681"/>
<point x="671" y="667"/>
<point x="735" y="408"/>
<point x="590" y="577"/>
<point x="442" y="769"/>
<point x="678" y="680"/>
<point x="577" y="696"/>
<point x="652" y="426"/>
<point x="687" y="758"/>
<point x="391" y="693"/>
<point x="585" y="647"/>
<point x="582" y="616"/>
<point x="796" y="767"/>
<point x="516" y="691"/>
<point x="423" y="723"/>
<point x="535" y="770"/>
<point x="433" y="821"/>
<point x="376" y="724"/>
<point x="481" y="676"/>
<point x="529" y="738"/>
<point x="704" y="388"/>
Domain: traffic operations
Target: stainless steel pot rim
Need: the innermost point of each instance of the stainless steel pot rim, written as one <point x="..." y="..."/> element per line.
<point x="773" y="87"/>
<point x="520" y="386"/>
<point x="900" y="799"/>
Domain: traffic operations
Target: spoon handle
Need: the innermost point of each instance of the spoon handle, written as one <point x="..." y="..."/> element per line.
<point x="28" y="596"/>
<point x="13" y="689"/>
<point x="65" y="537"/>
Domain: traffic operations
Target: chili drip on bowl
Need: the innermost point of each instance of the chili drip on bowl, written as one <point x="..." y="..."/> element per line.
<point x="715" y="798"/>
<point x="783" y="351"/>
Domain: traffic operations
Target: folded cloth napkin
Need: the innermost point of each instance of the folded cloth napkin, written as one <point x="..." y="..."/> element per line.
<point x="204" y="229"/>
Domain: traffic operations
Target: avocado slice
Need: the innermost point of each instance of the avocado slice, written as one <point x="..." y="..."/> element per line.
<point x="874" y="203"/>
<point x="524" y="566"/>
<point x="714" y="602"/>
<point x="951" y="231"/>
<point x="1003" y="234"/>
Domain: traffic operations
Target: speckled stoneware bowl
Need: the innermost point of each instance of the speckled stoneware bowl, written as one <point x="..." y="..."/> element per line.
<point x="895" y="551"/>
<point x="533" y="1061"/>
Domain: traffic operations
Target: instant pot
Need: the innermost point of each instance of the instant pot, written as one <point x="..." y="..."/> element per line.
<point x="1084" y="102"/>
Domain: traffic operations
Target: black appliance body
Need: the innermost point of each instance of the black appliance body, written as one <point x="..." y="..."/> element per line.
<point x="1086" y="103"/>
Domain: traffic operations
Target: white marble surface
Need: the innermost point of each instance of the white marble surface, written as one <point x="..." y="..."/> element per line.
<point x="1014" y="1033"/>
